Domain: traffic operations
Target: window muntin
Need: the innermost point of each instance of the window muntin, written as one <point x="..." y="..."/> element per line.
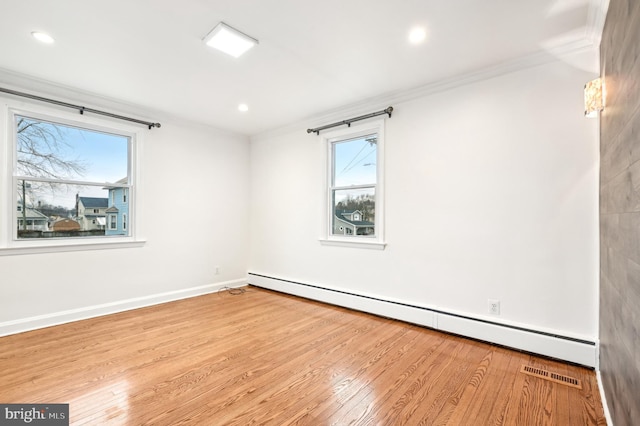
<point x="60" y="169"/>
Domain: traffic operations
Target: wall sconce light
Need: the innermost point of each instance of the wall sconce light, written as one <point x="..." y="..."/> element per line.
<point x="593" y="98"/>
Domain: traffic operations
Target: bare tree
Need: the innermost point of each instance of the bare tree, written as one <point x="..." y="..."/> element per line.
<point x="40" y="151"/>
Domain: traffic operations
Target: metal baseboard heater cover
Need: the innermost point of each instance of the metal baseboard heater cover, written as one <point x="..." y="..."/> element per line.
<point x="552" y="377"/>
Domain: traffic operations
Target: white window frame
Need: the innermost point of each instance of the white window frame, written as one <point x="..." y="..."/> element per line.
<point x="327" y="140"/>
<point x="124" y="221"/>
<point x="9" y="243"/>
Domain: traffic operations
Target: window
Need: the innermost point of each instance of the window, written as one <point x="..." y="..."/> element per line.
<point x="58" y="168"/>
<point x="124" y="221"/>
<point x="354" y="197"/>
<point x="113" y="222"/>
<point x="125" y="192"/>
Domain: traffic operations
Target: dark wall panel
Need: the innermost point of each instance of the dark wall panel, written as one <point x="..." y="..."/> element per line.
<point x="620" y="212"/>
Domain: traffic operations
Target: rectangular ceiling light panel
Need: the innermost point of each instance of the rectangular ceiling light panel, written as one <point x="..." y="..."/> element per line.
<point x="229" y="40"/>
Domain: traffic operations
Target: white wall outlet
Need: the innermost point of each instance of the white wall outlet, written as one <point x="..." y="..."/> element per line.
<point x="216" y="270"/>
<point x="494" y="306"/>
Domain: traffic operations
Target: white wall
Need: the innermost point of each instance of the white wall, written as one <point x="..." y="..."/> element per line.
<point x="491" y="192"/>
<point x="193" y="212"/>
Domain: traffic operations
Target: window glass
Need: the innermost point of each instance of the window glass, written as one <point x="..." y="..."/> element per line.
<point x="355" y="161"/>
<point x="67" y="175"/>
<point x="353" y="189"/>
<point x="59" y="151"/>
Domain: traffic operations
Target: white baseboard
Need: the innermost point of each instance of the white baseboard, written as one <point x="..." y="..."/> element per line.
<point x="57" y="318"/>
<point x="603" y="398"/>
<point x="523" y="338"/>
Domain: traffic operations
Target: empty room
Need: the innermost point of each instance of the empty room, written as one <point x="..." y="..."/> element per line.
<point x="222" y="212"/>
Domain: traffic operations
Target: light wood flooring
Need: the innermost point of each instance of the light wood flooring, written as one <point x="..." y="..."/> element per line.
<point x="266" y="358"/>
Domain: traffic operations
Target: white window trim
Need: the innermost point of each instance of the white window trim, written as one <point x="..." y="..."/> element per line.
<point x="10" y="107"/>
<point x="376" y="242"/>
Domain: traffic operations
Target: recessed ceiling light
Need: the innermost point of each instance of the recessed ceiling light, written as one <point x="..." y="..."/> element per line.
<point x="417" y="35"/>
<point x="243" y="107"/>
<point x="44" y="38"/>
<point x="229" y="40"/>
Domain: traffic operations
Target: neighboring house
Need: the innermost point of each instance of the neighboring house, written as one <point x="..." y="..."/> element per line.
<point x="65" y="225"/>
<point x="118" y="211"/>
<point x="36" y="221"/>
<point x="350" y="222"/>
<point x="91" y="212"/>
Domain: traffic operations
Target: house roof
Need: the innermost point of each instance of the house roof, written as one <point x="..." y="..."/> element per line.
<point x="94" y="202"/>
<point x="123" y="181"/>
<point x="340" y="215"/>
<point x="112" y="209"/>
<point x="32" y="214"/>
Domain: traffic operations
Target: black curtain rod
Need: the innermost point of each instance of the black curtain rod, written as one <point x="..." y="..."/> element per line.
<point x="81" y="109"/>
<point x="348" y="122"/>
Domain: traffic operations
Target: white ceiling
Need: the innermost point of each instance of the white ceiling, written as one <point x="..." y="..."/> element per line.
<point x="313" y="56"/>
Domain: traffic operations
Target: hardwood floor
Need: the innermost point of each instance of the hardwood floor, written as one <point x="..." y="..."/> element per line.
<point x="267" y="358"/>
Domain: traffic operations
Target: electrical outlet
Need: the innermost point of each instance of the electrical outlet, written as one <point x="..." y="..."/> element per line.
<point x="216" y="270"/>
<point x="494" y="306"/>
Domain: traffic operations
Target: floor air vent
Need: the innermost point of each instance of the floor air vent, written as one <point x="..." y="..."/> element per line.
<point x="552" y="377"/>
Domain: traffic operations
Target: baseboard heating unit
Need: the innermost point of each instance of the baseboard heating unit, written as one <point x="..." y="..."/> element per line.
<point x="566" y="348"/>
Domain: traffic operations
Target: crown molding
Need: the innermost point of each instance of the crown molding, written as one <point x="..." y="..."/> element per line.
<point x="41" y="87"/>
<point x="38" y="86"/>
<point x="543" y="56"/>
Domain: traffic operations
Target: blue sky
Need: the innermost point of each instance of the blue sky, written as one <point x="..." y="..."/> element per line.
<point x="104" y="155"/>
<point x="354" y="164"/>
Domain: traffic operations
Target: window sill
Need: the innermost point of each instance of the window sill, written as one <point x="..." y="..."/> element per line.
<point x="371" y="245"/>
<point x="57" y="248"/>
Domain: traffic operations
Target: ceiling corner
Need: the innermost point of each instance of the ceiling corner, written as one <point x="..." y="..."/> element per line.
<point x="595" y="20"/>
